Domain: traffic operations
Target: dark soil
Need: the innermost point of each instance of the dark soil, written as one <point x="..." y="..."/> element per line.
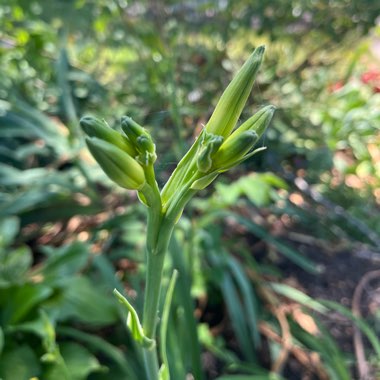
<point x="342" y="272"/>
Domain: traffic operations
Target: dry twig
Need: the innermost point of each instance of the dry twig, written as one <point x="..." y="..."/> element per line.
<point x="362" y="364"/>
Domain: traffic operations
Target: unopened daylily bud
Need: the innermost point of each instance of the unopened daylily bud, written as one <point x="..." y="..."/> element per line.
<point x="209" y="147"/>
<point x="232" y="101"/>
<point x="118" y="165"/>
<point x="258" y="122"/>
<point x="135" y="132"/>
<point x="234" y="149"/>
<point x="144" y="146"/>
<point x="94" y="127"/>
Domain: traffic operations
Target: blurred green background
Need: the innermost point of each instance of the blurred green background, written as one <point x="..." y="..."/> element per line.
<point x="256" y="252"/>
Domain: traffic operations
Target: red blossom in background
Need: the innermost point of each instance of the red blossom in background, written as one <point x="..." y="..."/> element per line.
<point x="334" y="87"/>
<point x="372" y="78"/>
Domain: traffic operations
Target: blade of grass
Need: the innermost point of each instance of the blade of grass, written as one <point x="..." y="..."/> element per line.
<point x="290" y="253"/>
<point x="248" y="298"/>
<point x="164" y="370"/>
<point x="236" y="311"/>
<point x="298" y="296"/>
<point x="333" y="359"/>
<point x="363" y="326"/>
<point x="100" y="345"/>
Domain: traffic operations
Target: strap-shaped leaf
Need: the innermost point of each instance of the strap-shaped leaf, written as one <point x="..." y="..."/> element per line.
<point x="133" y="322"/>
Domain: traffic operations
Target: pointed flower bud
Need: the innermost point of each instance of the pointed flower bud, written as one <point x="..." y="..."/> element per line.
<point x="231" y="103"/>
<point x="234" y="149"/>
<point x="209" y="147"/>
<point x="119" y="166"/>
<point x="259" y="122"/>
<point x="94" y="127"/>
<point x="137" y="135"/>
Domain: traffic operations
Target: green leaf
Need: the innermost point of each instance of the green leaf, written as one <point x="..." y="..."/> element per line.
<point x="44" y="329"/>
<point x="27" y="122"/>
<point x="1" y="341"/>
<point x="236" y="312"/>
<point x="63" y="262"/>
<point x="133" y="322"/>
<point x="256" y="190"/>
<point x="83" y="301"/>
<point x="9" y="228"/>
<point x="234" y="287"/>
<point x="11" y="176"/>
<point x="20" y="363"/>
<point x="56" y="371"/>
<point x="55" y="207"/>
<point x="14" y="266"/>
<point x="31" y="118"/>
<point x="284" y="249"/>
<point x="360" y="323"/>
<point x="182" y="329"/>
<point x="79" y="361"/>
<point x="217" y="346"/>
<point x="164" y="370"/>
<point x="333" y="359"/>
<point x="227" y="194"/>
<point x="248" y="298"/>
<point x="66" y="98"/>
<point x="22" y="300"/>
<point x="100" y="345"/>
<point x="298" y="296"/>
<point x="270" y="376"/>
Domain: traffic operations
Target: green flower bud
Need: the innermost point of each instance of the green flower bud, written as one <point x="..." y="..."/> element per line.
<point x="146" y="157"/>
<point x="258" y="122"/>
<point x="233" y="99"/>
<point x="209" y="147"/>
<point x="94" y="127"/>
<point x="234" y="149"/>
<point x="137" y="135"/>
<point x="119" y="166"/>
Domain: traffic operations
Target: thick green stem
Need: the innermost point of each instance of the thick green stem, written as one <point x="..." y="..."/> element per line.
<point x="160" y="228"/>
<point x="151" y="363"/>
<point x="156" y="246"/>
<point x="151" y="301"/>
<point x="155" y="261"/>
<point x="156" y="250"/>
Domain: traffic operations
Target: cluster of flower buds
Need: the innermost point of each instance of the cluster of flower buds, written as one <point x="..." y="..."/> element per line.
<point x="235" y="146"/>
<point x="223" y="154"/>
<point x="219" y="148"/>
<point x="123" y="157"/>
<point x="128" y="158"/>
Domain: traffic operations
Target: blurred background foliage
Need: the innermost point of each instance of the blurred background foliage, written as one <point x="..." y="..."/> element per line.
<point x="314" y="194"/>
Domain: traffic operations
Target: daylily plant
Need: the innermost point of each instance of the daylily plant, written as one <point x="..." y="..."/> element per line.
<point x="128" y="159"/>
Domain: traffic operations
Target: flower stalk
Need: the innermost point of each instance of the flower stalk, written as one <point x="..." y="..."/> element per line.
<point x="128" y="159"/>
